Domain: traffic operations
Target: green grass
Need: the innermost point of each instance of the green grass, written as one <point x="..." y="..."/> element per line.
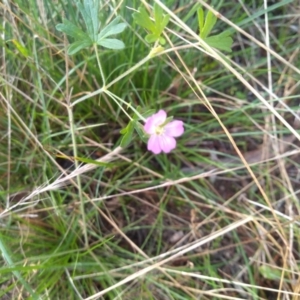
<point x="198" y="223"/>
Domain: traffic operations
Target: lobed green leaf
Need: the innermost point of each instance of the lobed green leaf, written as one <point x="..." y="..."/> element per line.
<point x="158" y="13"/>
<point x="142" y="18"/>
<point x="71" y="29"/>
<point x="221" y="41"/>
<point x="161" y="21"/>
<point x="89" y="10"/>
<point x="156" y="28"/>
<point x="210" y="22"/>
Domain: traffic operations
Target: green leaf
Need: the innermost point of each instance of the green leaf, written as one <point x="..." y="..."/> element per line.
<point x="200" y="14"/>
<point x="148" y="113"/>
<point x="111" y="29"/>
<point x="162" y="41"/>
<point x="111" y="44"/>
<point x="140" y="131"/>
<point x="77" y="46"/>
<point x="142" y="18"/>
<point x="127" y="137"/>
<point x="165" y="22"/>
<point x="221" y="41"/>
<point x="125" y="130"/>
<point x="94" y="162"/>
<point x="70" y="29"/>
<point x="24" y="51"/>
<point x="155" y="27"/>
<point x="210" y="22"/>
<point x="89" y="10"/>
<point x="161" y="21"/>
<point x="151" y="38"/>
<point x="191" y="12"/>
<point x="270" y="273"/>
<point x="158" y="12"/>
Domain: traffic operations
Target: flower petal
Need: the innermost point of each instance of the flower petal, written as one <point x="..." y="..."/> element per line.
<point x="154" y="121"/>
<point x="167" y="143"/>
<point x="174" y="128"/>
<point x="154" y="144"/>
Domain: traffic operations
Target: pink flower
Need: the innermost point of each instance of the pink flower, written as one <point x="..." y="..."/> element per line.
<point x="162" y="134"/>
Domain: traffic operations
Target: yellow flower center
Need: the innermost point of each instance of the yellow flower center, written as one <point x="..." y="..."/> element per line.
<point x="159" y="130"/>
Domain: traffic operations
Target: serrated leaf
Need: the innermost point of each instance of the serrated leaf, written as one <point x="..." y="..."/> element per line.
<point x="89" y="10"/>
<point x="210" y="22"/>
<point x="77" y="46"/>
<point x="142" y="18"/>
<point x="71" y="29"/>
<point x="111" y="29"/>
<point x="220" y="41"/>
<point x="156" y="28"/>
<point x="111" y="44"/>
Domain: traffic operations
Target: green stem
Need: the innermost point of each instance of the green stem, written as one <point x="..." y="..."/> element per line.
<point x="115" y="98"/>
<point x="72" y="129"/>
<point x="99" y="65"/>
<point x="112" y="82"/>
